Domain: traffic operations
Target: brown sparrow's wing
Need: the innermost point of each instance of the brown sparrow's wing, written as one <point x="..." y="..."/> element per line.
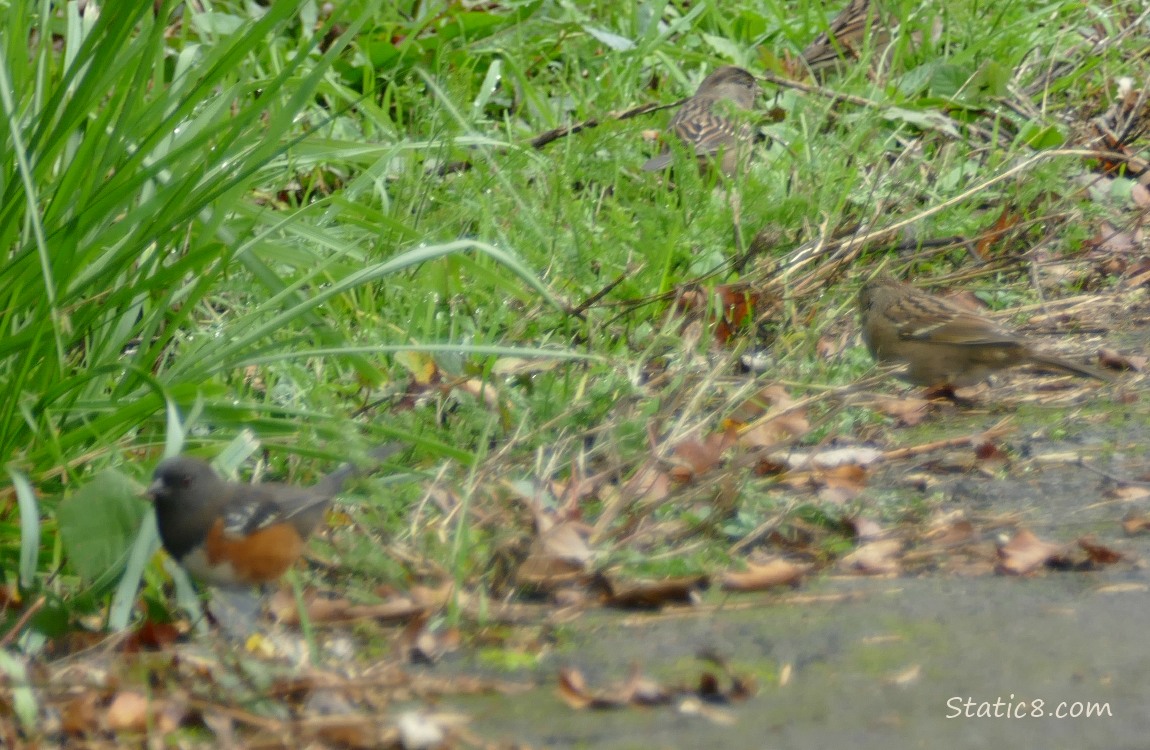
<point x="706" y="130"/>
<point x="845" y="36"/>
<point x="921" y="317"/>
<point x="695" y="124"/>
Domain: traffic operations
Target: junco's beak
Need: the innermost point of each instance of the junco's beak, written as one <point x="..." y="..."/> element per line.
<point x="155" y="489"/>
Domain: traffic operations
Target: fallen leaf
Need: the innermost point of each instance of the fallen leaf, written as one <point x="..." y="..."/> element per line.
<point x="575" y="693"/>
<point x="557" y="557"/>
<point x="875" y="558"/>
<point x="905" y="677"/>
<point x="694" y="458"/>
<point x="481" y="391"/>
<point x="986" y="450"/>
<point x="857" y="455"/>
<point x="653" y="594"/>
<point x="1099" y="554"/>
<point x="1111" y="359"/>
<point x="762" y="576"/>
<point x="81" y="714"/>
<point x="1127" y="492"/>
<point x="421" y="365"/>
<point x="640" y="690"/>
<point x="950" y="530"/>
<point x="1025" y="553"/>
<point x="906" y="411"/>
<point x="1136" y="524"/>
<point x="780" y="422"/>
<point x="691" y="706"/>
<point x="648" y="485"/>
<point x="840" y="484"/>
<point x="151" y="636"/>
<point x="866" y="529"/>
<point x="128" y="712"/>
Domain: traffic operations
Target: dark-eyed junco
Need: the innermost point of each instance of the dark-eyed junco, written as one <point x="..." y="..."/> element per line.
<point x="707" y="131"/>
<point x="940" y="343"/>
<point x="234" y="534"/>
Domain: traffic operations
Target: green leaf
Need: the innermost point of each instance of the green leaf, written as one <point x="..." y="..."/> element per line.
<point x="1039" y="136"/>
<point x="23" y="698"/>
<point x="29" y="527"/>
<point x="612" y="40"/>
<point x="98" y="524"/>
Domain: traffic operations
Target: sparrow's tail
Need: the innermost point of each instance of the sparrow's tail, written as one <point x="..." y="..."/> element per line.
<point x="656" y="163"/>
<point x="1059" y="363"/>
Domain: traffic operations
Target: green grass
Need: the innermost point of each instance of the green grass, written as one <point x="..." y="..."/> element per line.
<point x="235" y="220"/>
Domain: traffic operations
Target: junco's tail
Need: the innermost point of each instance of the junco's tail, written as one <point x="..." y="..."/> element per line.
<point x="333" y="482"/>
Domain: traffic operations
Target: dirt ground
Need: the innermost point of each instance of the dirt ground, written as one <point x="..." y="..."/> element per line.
<point x="932" y="659"/>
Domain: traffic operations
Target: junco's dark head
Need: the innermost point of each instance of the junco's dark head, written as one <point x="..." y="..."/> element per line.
<point x="175" y="479"/>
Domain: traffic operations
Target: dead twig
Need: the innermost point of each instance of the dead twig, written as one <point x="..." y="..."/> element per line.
<point x="1002" y="428"/>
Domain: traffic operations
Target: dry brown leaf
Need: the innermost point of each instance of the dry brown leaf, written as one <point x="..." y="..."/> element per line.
<point x="837" y="484"/>
<point x="653" y="594"/>
<point x="81" y="714"/>
<point x="1136" y="524"/>
<point x="986" y="450"/>
<point x="905" y="677"/>
<point x="875" y="558"/>
<point x="694" y="457"/>
<point x="128" y="712"/>
<point x="575" y="693"/>
<point x="828" y="346"/>
<point x="151" y="636"/>
<point x="737" y="303"/>
<point x="950" y="530"/>
<point x="1140" y="195"/>
<point x="1113" y="360"/>
<point x="1025" y="553"/>
<point x="840" y="484"/>
<point x="906" y="411"/>
<point x="1127" y="492"/>
<point x="422" y="645"/>
<point x="777" y="424"/>
<point x="485" y="393"/>
<point x="558" y="556"/>
<point x="324" y="608"/>
<point x="763" y="576"/>
<point x="866" y="529"/>
<point x="648" y="485"/>
<point x="1098" y="553"/>
<point x="640" y="690"/>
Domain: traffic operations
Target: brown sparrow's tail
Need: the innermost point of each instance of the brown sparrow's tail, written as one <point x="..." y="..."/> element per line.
<point x="1058" y="363"/>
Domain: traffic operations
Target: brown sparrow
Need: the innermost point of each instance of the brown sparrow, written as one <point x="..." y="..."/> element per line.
<point x="940" y="343"/>
<point x="699" y="125"/>
<point x="845" y="37"/>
